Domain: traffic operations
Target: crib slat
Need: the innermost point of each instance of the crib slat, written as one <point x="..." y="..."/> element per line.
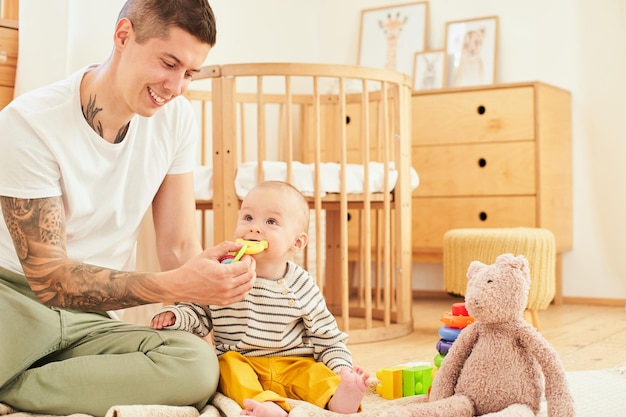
<point x="243" y="137"/>
<point x="225" y="201"/>
<point x="289" y="144"/>
<point x="402" y="200"/>
<point x="366" y="220"/>
<point x="260" y="129"/>
<point x="317" y="197"/>
<point x="386" y="208"/>
<point x="343" y="209"/>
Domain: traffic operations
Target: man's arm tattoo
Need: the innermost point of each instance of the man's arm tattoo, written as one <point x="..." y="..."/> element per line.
<point x="37" y="227"/>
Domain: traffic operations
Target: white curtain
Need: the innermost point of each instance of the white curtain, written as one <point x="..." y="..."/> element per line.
<point x="59" y="37"/>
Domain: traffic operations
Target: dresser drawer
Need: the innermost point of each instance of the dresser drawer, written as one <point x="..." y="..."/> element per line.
<point x="505" y="168"/>
<point x="432" y="217"/>
<point x="6" y="95"/>
<point x="8" y="56"/>
<point x="481" y="115"/>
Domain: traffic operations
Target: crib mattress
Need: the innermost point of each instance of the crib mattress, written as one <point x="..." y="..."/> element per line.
<point x="303" y="178"/>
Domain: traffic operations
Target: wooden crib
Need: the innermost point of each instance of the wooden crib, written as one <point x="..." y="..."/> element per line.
<point x="360" y="243"/>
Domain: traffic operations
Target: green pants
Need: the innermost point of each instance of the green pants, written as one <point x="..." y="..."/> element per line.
<point x="57" y="361"/>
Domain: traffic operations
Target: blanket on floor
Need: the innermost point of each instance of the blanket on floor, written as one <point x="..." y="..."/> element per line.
<point x="597" y="393"/>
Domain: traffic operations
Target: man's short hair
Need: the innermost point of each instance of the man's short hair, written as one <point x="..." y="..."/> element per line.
<point x="153" y="18"/>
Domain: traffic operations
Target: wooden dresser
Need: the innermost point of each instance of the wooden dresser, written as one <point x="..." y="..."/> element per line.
<point x="8" y="59"/>
<point x="494" y="156"/>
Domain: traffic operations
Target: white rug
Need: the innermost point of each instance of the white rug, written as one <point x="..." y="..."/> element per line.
<point x="600" y="393"/>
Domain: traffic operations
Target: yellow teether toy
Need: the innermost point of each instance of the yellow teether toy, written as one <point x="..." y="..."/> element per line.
<point x="252" y="246"/>
<point x="248" y="247"/>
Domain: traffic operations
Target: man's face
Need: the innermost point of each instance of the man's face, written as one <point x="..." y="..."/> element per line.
<point x="159" y="70"/>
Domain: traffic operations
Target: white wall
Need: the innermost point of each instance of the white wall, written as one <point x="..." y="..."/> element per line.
<point x="574" y="44"/>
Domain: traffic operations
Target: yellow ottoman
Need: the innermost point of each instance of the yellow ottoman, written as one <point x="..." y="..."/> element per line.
<point x="461" y="246"/>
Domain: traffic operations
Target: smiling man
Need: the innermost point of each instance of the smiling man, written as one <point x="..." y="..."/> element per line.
<point x="82" y="161"/>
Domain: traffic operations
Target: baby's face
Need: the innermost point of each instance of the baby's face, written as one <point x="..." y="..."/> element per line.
<point x="268" y="214"/>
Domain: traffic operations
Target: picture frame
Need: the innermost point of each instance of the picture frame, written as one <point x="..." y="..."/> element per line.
<point x="428" y="69"/>
<point x="471" y="51"/>
<point x="390" y="36"/>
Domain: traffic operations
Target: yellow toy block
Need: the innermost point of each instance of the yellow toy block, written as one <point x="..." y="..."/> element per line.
<point x="390" y="385"/>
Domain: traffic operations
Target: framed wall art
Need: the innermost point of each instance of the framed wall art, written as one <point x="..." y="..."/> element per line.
<point x="471" y="51"/>
<point x="391" y="35"/>
<point x="428" y="70"/>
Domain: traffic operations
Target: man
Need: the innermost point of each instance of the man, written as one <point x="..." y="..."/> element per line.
<point x="81" y="162"/>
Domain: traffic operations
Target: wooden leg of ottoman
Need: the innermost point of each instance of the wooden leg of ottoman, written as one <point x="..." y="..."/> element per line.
<point x="558" y="293"/>
<point x="532" y="317"/>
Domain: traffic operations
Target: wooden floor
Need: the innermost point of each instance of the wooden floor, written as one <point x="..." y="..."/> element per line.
<point x="587" y="337"/>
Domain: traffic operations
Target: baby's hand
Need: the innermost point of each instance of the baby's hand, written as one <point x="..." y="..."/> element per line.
<point x="164" y="319"/>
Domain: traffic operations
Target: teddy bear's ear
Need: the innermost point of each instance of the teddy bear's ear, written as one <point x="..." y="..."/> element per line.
<point x="473" y="268"/>
<point x="517" y="262"/>
<point x="506" y="259"/>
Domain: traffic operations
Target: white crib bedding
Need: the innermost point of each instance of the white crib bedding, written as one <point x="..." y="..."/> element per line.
<point x="303" y="178"/>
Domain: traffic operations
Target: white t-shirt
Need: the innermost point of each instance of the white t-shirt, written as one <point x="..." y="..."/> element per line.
<point x="48" y="149"/>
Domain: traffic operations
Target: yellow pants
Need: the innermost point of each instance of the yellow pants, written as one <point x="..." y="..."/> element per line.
<point x="275" y="379"/>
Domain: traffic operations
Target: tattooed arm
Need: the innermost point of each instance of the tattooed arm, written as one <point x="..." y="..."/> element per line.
<point x="37" y="227"/>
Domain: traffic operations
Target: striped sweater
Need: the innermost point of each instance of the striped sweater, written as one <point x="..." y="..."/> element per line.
<point x="283" y="317"/>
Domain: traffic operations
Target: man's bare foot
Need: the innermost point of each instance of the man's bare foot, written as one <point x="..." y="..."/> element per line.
<point x="264" y="409"/>
<point x="350" y="392"/>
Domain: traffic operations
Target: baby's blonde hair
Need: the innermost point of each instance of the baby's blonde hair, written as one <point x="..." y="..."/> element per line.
<point x="303" y="206"/>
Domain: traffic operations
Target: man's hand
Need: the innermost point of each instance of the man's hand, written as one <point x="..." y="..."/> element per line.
<point x="204" y="280"/>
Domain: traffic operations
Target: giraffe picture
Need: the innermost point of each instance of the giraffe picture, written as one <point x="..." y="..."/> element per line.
<point x="391" y="35"/>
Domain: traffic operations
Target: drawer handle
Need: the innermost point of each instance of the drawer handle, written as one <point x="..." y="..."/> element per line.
<point x="3" y="56"/>
<point x="481" y="109"/>
<point x="347" y="120"/>
<point x="482" y="216"/>
<point x="482" y="162"/>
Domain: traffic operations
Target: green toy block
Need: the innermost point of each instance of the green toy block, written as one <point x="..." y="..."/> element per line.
<point x="416" y="380"/>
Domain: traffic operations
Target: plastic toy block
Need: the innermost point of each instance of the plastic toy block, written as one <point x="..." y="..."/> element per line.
<point x="390" y="385"/>
<point x="416" y="380"/>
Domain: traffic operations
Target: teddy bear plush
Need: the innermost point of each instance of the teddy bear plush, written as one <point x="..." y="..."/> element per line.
<point x="499" y="365"/>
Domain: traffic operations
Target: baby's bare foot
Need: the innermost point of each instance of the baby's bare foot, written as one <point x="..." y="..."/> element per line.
<point x="264" y="409"/>
<point x="350" y="392"/>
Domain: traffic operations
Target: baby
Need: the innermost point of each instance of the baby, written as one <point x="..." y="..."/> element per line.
<point x="281" y="341"/>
